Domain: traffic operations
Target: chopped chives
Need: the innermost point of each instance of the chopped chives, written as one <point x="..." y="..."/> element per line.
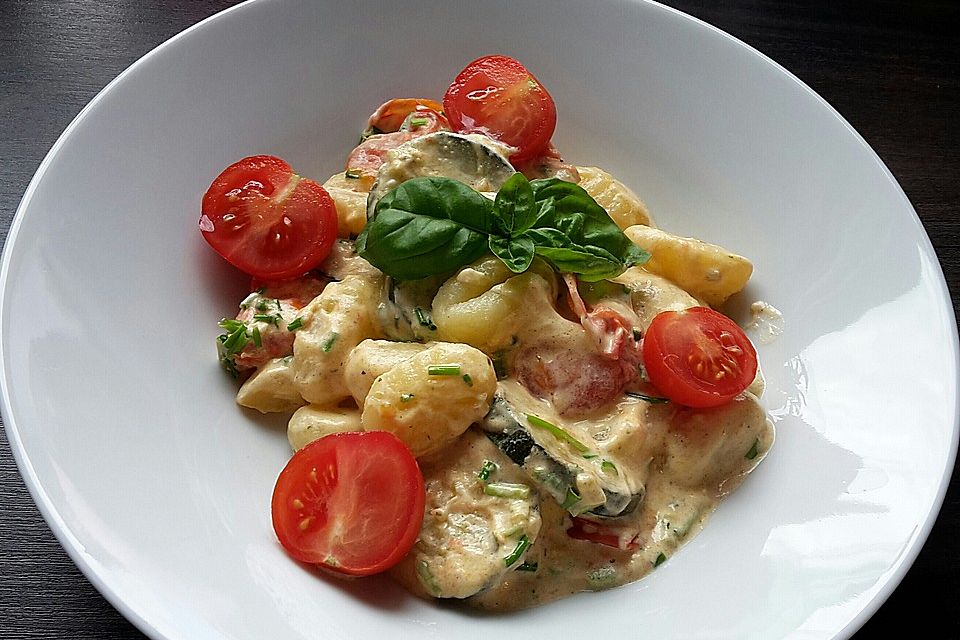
<point x="507" y="490"/>
<point x="557" y="432"/>
<point x="606" y="465"/>
<point x="257" y="340"/>
<point x="443" y="370"/>
<point x="590" y="456"/>
<point x="269" y="318"/>
<point x="426" y="577"/>
<point x="418" y="122"/>
<point x="328" y="343"/>
<point x="296" y="324"/>
<point x="660" y="559"/>
<point x="572" y="498"/>
<point x="518" y="550"/>
<point x="754" y="450"/>
<point x="489" y="466"/>
<point x="468" y="379"/>
<point x="643" y="396"/>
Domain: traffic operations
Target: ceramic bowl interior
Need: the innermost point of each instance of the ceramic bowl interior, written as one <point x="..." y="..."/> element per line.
<point x="158" y="485"/>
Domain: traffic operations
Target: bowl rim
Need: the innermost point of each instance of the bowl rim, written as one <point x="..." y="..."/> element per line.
<point x="61" y="529"/>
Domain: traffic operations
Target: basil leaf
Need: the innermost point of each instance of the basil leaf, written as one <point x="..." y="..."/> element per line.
<point x="589" y="263"/>
<point x="567" y="208"/>
<point x="426" y="226"/>
<point x="516" y="253"/>
<point x="515" y="207"/>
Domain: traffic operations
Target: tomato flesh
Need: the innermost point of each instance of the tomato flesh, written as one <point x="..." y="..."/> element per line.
<point x="698" y="357"/>
<point x="589" y="531"/>
<point x="352" y="502"/>
<point x="266" y="220"/>
<point x="497" y="96"/>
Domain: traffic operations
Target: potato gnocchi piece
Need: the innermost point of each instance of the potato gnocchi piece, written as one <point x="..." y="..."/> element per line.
<point x="271" y="388"/>
<point x="429" y="411"/>
<point x="469" y="538"/>
<point x="372" y="358"/>
<point x="621" y="203"/>
<point x="485" y="304"/>
<point x="350" y="197"/>
<point x="650" y="294"/>
<point x="334" y="322"/>
<point x="706" y="270"/>
<point x="312" y="422"/>
<point x="700" y="456"/>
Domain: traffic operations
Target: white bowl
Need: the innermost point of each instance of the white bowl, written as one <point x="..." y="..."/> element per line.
<point x="158" y="485"/>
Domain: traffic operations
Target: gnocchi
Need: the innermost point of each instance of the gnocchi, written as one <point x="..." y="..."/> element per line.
<point x="485" y="304"/>
<point x="431" y="398"/>
<point x="334" y="322"/>
<point x="312" y="422"/>
<point x="706" y="270"/>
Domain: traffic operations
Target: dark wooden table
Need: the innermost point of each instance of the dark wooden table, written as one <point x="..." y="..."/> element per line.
<point x="891" y="68"/>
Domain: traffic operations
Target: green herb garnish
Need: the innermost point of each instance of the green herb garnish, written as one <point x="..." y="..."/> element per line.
<point x="507" y="490"/>
<point x="571" y="499"/>
<point x="557" y="432"/>
<point x="296" y="324"/>
<point x="328" y="343"/>
<point x="754" y="450"/>
<point x="426" y="577"/>
<point x="443" y="370"/>
<point x="269" y="318"/>
<point x="257" y="340"/>
<point x="660" y="559"/>
<point x="518" y="550"/>
<point x="467" y="379"/>
<point x="418" y="122"/>
<point x="489" y="466"/>
<point x="433" y="225"/>
<point x="606" y="465"/>
<point x="236" y="337"/>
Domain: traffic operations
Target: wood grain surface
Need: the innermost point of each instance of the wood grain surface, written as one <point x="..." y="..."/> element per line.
<point x="892" y="69"/>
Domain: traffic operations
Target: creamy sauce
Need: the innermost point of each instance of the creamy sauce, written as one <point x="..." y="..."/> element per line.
<point x="640" y="475"/>
<point x="687" y="460"/>
<point x="766" y="322"/>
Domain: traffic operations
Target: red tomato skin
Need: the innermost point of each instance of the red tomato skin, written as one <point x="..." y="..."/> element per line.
<point x="478" y="99"/>
<point x="252" y="217"/>
<point x="677" y="340"/>
<point x="340" y="485"/>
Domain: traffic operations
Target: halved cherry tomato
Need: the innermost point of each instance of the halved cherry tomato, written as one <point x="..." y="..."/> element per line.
<point x="390" y="115"/>
<point x="497" y="96"/>
<point x="698" y="357"/>
<point x="266" y="220"/>
<point x="352" y="502"/>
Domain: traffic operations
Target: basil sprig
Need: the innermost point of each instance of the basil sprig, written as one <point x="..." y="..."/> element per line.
<point x="431" y="226"/>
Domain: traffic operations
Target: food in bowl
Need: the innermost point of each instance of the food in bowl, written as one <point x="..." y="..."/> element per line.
<point x="506" y="384"/>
